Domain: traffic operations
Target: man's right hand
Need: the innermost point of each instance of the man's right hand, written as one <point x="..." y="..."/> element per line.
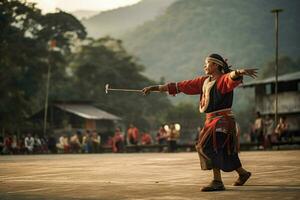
<point x="147" y="90"/>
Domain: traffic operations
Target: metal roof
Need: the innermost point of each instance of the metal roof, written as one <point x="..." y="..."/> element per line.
<point x="87" y="111"/>
<point x="282" y="78"/>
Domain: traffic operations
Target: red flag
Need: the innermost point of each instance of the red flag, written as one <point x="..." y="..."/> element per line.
<point x="52" y="44"/>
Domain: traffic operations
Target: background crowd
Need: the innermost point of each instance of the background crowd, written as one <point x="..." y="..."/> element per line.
<point x="264" y="132"/>
<point x="88" y="141"/>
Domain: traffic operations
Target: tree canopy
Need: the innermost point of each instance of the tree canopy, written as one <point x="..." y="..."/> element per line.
<point x="80" y="68"/>
<point x="24" y="54"/>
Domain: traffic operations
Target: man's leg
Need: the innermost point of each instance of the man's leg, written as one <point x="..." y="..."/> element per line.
<point x="216" y="184"/>
<point x="244" y="175"/>
<point x="217" y="174"/>
<point x="241" y="171"/>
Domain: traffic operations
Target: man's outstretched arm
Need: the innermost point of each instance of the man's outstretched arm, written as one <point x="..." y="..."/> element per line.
<point x="157" y="88"/>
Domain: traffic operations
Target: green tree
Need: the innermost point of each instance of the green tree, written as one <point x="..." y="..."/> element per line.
<point x="24" y="54"/>
<point x="105" y="61"/>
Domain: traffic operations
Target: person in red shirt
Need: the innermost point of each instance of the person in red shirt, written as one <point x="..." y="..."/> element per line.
<point x="218" y="143"/>
<point x="146" y="139"/>
<point x="118" y="141"/>
<point x="133" y="135"/>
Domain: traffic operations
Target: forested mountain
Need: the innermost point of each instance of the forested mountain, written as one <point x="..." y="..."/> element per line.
<point x="175" y="44"/>
<point x="117" y="22"/>
<point x="84" y="14"/>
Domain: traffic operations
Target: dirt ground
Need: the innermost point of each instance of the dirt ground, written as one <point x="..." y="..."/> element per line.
<point x="275" y="175"/>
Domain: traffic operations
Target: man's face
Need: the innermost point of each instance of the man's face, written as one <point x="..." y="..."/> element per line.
<point x="210" y="67"/>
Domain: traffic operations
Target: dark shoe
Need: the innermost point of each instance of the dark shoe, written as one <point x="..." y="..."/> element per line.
<point x="242" y="179"/>
<point x="213" y="186"/>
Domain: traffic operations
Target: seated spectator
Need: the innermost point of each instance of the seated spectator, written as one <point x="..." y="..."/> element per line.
<point x="109" y="142"/>
<point x="281" y="129"/>
<point x="161" y="135"/>
<point x="21" y="144"/>
<point x="44" y="145"/>
<point x="173" y="135"/>
<point x="132" y="135"/>
<point x="95" y="140"/>
<point x="118" y="141"/>
<point x="51" y="142"/>
<point x="1" y="144"/>
<point x="146" y="139"/>
<point x="7" y="149"/>
<point x="14" y="145"/>
<point x="29" y="143"/>
<point x="63" y="144"/>
<point x="74" y="143"/>
<point x="86" y="142"/>
<point x="37" y="144"/>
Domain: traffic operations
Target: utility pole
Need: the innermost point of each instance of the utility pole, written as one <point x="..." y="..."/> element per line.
<point x="52" y="45"/>
<point x="276" y="12"/>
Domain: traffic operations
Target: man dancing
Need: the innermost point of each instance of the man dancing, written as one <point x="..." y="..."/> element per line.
<point x="218" y="142"/>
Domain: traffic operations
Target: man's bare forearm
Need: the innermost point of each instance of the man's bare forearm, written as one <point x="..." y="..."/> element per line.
<point x="155" y="88"/>
<point x="159" y="88"/>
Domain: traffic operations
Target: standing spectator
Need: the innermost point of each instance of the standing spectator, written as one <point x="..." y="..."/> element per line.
<point x="96" y="141"/>
<point x="118" y="141"/>
<point x="133" y="135"/>
<point x="146" y="139"/>
<point x="268" y="130"/>
<point x="258" y="130"/>
<point x="173" y="135"/>
<point x="29" y="143"/>
<point x="282" y="129"/>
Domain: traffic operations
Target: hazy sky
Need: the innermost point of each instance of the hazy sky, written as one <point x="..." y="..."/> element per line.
<point x="72" y="5"/>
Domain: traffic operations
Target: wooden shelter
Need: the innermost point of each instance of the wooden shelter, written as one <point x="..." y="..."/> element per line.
<point x="288" y="97"/>
<point x="70" y="116"/>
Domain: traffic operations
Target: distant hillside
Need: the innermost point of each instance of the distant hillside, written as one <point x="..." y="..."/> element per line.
<point x="117" y="22"/>
<point x="175" y="44"/>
